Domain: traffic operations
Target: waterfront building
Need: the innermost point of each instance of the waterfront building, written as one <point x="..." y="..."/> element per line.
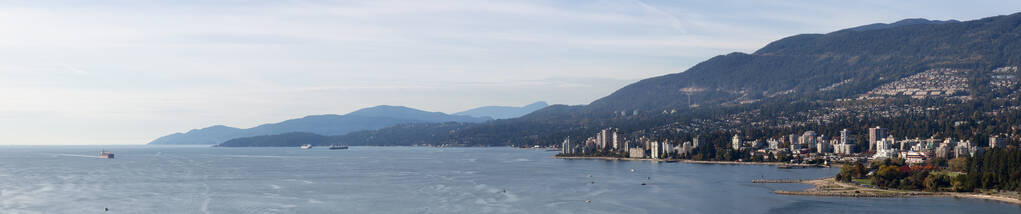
<point x="590" y="146"/>
<point x="636" y="153"/>
<point x="625" y="145"/>
<point x="735" y="142"/>
<point x="654" y="151"/>
<point x="874" y="135"/>
<point x="566" y="147"/>
<point x="669" y="149"/>
<point x="687" y="147"/>
<point x="601" y="139"/>
<point x="617" y="144"/>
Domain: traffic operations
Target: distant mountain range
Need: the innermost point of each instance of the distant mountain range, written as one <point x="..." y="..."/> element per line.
<point x="291" y="138"/>
<point x="331" y="124"/>
<point x="801" y="65"/>
<point x="503" y="112"/>
<point x="807" y="81"/>
<point x="920" y="77"/>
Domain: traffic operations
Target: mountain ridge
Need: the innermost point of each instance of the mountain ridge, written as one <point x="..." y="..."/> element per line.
<point x="806" y="81"/>
<point x="503" y="112"/>
<point x="787" y="84"/>
<point x="326" y="124"/>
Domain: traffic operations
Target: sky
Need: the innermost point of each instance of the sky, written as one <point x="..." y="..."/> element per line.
<point x="127" y="72"/>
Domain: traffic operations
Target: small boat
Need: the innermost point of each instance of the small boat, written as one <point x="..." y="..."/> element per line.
<point x="306" y="146"/>
<point x="106" y="155"/>
<point x="335" y="146"/>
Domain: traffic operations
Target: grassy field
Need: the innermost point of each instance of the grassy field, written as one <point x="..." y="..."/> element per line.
<point x="947" y="172"/>
<point x="865" y="181"/>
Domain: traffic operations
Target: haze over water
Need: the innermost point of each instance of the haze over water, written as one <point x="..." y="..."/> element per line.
<point x="148" y="179"/>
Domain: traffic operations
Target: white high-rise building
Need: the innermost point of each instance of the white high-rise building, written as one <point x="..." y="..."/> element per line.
<point x="616" y="142"/>
<point x="885" y="149"/>
<point x="875" y="134"/>
<point x="845" y="136"/>
<point x="566" y="147"/>
<point x="654" y="150"/>
<point x="965" y="149"/>
<point x="735" y="142"/>
<point x="602" y="138"/>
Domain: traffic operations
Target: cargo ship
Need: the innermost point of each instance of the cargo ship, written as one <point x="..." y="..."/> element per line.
<point x="106" y="155"/>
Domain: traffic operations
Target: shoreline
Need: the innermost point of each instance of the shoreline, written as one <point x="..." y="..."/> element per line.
<point x="824" y="187"/>
<point x="687" y="161"/>
<point x="829" y="187"/>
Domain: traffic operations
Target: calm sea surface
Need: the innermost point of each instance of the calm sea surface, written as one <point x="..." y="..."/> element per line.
<point x="160" y="179"/>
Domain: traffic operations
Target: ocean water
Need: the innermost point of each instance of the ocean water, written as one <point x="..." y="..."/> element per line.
<point x="183" y="179"/>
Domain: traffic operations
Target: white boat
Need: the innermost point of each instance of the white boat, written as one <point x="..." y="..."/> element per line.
<point x="106" y="155"/>
<point x="306" y="146"/>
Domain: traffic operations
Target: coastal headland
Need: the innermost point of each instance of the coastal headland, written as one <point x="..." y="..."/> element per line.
<point x="830" y="187"/>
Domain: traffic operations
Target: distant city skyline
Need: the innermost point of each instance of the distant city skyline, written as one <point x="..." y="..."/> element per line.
<point x="110" y="72"/>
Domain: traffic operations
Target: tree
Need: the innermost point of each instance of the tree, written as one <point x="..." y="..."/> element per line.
<point x="959" y="164"/>
<point x="935" y="181"/>
<point x="959" y="183"/>
<point x="887" y="176"/>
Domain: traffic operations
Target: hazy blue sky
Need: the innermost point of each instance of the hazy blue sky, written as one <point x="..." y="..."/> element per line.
<point x="126" y="72"/>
